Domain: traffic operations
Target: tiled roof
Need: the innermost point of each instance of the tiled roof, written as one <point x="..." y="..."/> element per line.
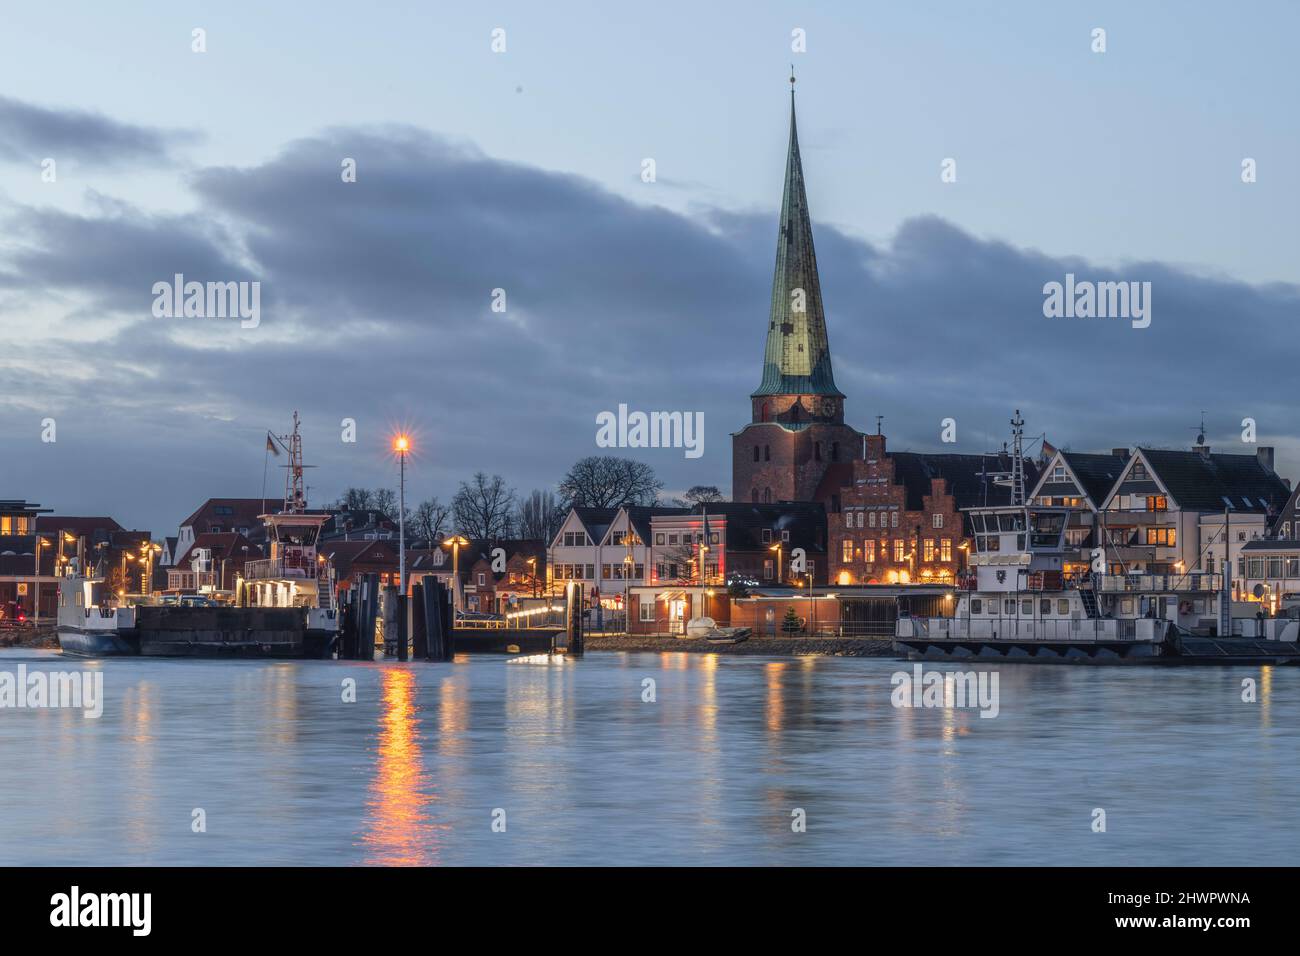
<point x="1096" y="473"/>
<point x="1209" y="482"/>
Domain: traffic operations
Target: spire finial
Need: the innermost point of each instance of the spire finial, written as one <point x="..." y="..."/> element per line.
<point x="791" y="79"/>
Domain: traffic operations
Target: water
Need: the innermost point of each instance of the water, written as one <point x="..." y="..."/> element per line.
<point x="287" y="773"/>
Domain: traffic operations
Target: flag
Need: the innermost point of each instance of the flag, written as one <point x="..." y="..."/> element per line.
<point x="270" y="445"/>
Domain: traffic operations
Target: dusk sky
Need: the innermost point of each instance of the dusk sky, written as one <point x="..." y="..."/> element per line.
<point x="522" y="170"/>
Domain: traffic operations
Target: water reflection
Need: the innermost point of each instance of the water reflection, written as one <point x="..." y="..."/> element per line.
<point x="398" y="829"/>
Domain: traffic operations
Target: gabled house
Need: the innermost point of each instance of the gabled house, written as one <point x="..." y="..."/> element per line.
<point x="1167" y="511"/>
<point x="593" y="546"/>
<point x="224" y="515"/>
<point x="1082" y="482"/>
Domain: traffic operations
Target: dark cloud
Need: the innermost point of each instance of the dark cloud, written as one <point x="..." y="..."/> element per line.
<point x="376" y="306"/>
<point x="31" y="133"/>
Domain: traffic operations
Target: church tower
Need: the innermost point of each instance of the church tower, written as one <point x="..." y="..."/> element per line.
<point x="796" y="447"/>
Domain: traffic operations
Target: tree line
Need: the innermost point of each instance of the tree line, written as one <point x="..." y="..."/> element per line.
<point x="486" y="507"/>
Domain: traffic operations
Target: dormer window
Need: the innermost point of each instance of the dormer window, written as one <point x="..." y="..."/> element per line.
<point x="1138" y="472"/>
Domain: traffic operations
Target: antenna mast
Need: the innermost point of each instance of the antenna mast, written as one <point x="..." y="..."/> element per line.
<point x="1017" y="461"/>
<point x="295" y="496"/>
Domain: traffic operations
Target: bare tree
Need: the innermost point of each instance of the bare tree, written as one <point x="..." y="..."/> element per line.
<point x="699" y="494"/>
<point x="484" y="507"/>
<point x="539" y="516"/>
<point x="430" y="519"/>
<point x="355" y="499"/>
<point x="384" y="500"/>
<point x="603" y="481"/>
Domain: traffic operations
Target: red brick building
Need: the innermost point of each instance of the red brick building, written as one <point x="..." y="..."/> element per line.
<point x="900" y="519"/>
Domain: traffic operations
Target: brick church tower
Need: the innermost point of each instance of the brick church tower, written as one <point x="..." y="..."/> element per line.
<point x="796" y="446"/>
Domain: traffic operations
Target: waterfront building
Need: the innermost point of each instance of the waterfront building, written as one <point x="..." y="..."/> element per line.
<point x="212" y="564"/>
<point x="1080" y="482"/>
<point x="780" y="545"/>
<point x="900" y="519"/>
<point x="606" y="549"/>
<point x="796" y="446"/>
<point x="223" y="515"/>
<point x="1165" y="513"/>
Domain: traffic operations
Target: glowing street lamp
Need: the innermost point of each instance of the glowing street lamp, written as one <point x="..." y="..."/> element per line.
<point x="777" y="548"/>
<point x="402" y="446"/>
<point x="457" y="542"/>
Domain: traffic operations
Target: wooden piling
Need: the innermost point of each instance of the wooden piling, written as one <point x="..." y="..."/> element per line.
<point x="419" y="631"/>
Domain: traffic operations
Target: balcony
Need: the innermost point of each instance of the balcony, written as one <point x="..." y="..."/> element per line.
<point x="1195" y="581"/>
<point x="272" y="569"/>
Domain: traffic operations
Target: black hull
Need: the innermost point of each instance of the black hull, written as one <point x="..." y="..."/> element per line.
<point x="207" y="632"/>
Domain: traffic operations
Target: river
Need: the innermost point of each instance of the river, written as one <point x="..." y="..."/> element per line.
<point x="534" y="761"/>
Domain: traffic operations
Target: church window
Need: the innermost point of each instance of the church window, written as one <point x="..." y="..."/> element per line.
<point x="835" y="451"/>
<point x="755" y="453"/>
<point x="767" y="452"/>
<point x="767" y="496"/>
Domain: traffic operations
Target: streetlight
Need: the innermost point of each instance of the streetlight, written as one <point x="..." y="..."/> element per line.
<point x="777" y="548"/>
<point x="532" y="571"/>
<point x="147" y="551"/>
<point x="401" y="445"/>
<point x="457" y="542"/>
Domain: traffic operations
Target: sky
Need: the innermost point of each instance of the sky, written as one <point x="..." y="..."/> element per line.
<point x="522" y="170"/>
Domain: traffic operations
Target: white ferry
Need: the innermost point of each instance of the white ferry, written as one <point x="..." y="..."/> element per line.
<point x="1017" y="604"/>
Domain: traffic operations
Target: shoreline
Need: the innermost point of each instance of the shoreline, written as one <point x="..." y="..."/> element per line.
<point x="769" y="646"/>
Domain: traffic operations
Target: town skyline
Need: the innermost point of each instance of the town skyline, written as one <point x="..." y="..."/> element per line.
<point x="654" y="295"/>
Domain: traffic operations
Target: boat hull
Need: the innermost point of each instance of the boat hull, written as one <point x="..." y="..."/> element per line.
<point x="82" y="642"/>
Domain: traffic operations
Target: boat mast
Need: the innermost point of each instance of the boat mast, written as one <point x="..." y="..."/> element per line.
<point x="295" y="497"/>
<point x="1017" y="462"/>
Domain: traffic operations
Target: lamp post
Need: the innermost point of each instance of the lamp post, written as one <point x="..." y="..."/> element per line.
<point x="628" y="564"/>
<point x="456" y="541"/>
<point x="532" y="571"/>
<point x="36" y="582"/>
<point x="147" y="552"/>
<point x="401" y="445"/>
<point x="777" y="548"/>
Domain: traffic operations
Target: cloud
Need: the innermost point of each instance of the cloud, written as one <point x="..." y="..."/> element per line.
<point x="377" y="306"/>
<point x="29" y="133"/>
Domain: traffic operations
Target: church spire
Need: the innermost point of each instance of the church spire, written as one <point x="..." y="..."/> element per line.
<point x="797" y="360"/>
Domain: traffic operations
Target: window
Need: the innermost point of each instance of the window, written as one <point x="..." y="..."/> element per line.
<point x="767" y="496"/>
<point x="713" y="537"/>
<point x="945" y="549"/>
<point x="893" y="519"/>
<point x="936" y="520"/>
<point x="576" y="539"/>
<point x="785" y="535"/>
<point x="482" y="579"/>
<point x="1044" y="606"/>
<point x="976" y="606"/>
<point x="1027" y="606"/>
<point x="672" y="539"/>
<point x="1157" y="503"/>
<point x="835" y="451"/>
<point x="769" y="567"/>
<point x="659" y="537"/>
<point x="817" y="451"/>
<point x="869" y="550"/>
<point x="755" y="453"/>
<point x="898" y="550"/>
<point x="927" y="550"/>
<point x="1063" y="607"/>
<point x="1058" y="473"/>
<point x="1138" y="472"/>
<point x="871" y="520"/>
<point x="847" y="551"/>
<point x="1163" y="537"/>
<point x="646" y="611"/>
<point x="607" y="572"/>
<point x="767" y="452"/>
<point x="1009" y="606"/>
<point x="767" y="535"/>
